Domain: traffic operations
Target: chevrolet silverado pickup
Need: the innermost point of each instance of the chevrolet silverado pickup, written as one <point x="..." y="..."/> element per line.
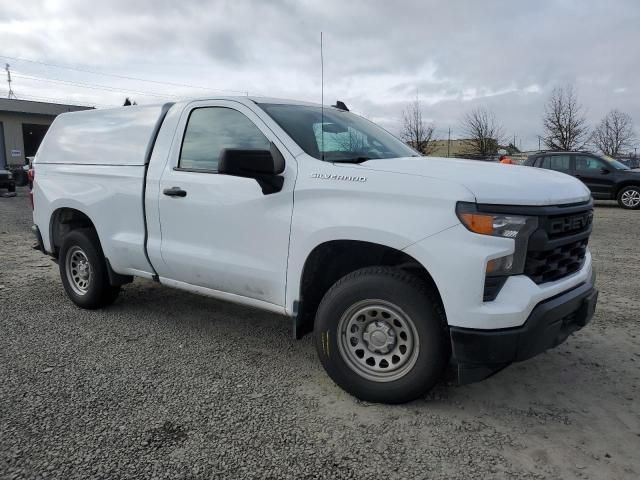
<point x="399" y="265"/>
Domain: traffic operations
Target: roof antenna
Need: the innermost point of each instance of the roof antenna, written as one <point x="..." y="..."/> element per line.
<point x="321" y="98"/>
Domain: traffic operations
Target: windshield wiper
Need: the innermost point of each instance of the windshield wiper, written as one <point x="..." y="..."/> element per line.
<point x="350" y="160"/>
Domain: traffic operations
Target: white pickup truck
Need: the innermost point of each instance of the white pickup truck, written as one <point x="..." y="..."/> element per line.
<point x="399" y="264"/>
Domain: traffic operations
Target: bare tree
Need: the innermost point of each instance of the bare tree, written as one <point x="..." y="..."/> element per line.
<point x="351" y="141"/>
<point x="482" y="132"/>
<point x="564" y="121"/>
<point x="415" y="131"/>
<point x="614" y="133"/>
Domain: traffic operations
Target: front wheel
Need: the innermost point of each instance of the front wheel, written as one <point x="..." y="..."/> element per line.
<point x="381" y="335"/>
<point x="83" y="270"/>
<point x="629" y="197"/>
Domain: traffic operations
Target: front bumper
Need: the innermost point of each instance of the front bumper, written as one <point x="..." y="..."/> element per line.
<point x="481" y="353"/>
<point x="460" y="278"/>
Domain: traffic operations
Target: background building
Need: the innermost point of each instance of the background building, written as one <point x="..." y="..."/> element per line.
<point x="23" y="124"/>
<point x="448" y="148"/>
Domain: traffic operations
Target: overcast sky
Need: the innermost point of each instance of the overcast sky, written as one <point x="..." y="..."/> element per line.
<point x="455" y="55"/>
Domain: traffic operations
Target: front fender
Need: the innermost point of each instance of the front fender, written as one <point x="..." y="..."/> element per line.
<point x="388" y="209"/>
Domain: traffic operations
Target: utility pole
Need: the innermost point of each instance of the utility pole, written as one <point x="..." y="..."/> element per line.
<point x="11" y="94"/>
<point x="539" y="146"/>
<point x="449" y="143"/>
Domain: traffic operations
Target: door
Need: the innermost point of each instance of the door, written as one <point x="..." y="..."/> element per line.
<point x="559" y="163"/>
<point x="596" y="175"/>
<point x="225" y="234"/>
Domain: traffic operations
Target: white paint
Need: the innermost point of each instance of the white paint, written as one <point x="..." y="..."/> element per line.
<point x="226" y="239"/>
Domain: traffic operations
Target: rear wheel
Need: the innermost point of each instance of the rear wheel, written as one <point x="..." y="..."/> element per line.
<point x="381" y="335"/>
<point x="629" y="197"/>
<point x="83" y="270"/>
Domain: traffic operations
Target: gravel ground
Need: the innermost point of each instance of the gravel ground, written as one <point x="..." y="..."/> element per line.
<point x="165" y="384"/>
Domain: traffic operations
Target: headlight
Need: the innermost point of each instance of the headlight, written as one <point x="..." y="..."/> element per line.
<point x="10" y="175"/>
<point x="517" y="227"/>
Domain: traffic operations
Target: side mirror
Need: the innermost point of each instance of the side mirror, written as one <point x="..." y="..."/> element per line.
<point x="263" y="165"/>
<point x="605" y="170"/>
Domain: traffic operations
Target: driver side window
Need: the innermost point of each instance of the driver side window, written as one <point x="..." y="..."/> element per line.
<point x="212" y="129"/>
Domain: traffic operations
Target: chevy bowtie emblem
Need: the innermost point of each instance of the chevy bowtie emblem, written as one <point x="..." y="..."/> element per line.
<point x="347" y="178"/>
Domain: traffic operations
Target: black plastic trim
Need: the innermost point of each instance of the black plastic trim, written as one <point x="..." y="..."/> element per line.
<point x="492" y="286"/>
<point x="536" y="210"/>
<point x="152" y="143"/>
<point x="117" y="279"/>
<point x="194" y="170"/>
<point x="480" y="353"/>
<point x="39" y="243"/>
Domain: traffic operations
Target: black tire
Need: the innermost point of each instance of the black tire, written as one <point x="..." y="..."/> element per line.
<point x="20" y="178"/>
<point x="98" y="292"/>
<point x="628" y="197"/>
<point x="411" y="297"/>
<point x="12" y="188"/>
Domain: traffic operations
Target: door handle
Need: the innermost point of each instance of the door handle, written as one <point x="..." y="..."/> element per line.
<point x="174" y="192"/>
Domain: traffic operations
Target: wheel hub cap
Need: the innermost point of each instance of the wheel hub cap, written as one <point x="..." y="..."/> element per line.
<point x="378" y="340"/>
<point x="631" y="198"/>
<point x="78" y="269"/>
<point x="379" y="337"/>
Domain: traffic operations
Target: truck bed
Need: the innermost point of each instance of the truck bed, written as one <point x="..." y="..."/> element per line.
<point x="96" y="160"/>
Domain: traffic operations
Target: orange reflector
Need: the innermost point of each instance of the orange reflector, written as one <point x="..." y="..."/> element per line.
<point x="478" y="223"/>
<point x="492" y="264"/>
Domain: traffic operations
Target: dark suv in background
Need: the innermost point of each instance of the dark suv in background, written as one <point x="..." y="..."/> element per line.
<point x="6" y="180"/>
<point x="607" y="178"/>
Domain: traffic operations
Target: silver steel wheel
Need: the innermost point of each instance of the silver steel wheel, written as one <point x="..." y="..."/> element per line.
<point x="630" y="198"/>
<point x="78" y="268"/>
<point x="378" y="340"/>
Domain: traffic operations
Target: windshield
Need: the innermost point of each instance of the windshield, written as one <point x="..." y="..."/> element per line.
<point x="615" y="163"/>
<point x="342" y="136"/>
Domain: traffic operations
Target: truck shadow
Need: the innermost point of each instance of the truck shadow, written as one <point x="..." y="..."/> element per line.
<point x="561" y="377"/>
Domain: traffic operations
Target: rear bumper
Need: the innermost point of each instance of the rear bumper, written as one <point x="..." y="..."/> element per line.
<point x="481" y="353"/>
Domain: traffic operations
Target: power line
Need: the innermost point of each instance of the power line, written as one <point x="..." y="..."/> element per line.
<point x="126" y="77"/>
<point x="93" y="87"/>
<point x="64" y="101"/>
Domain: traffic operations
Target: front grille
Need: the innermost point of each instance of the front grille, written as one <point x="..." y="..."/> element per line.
<point x="556" y="249"/>
<point x="556" y="263"/>
<point x="559" y="246"/>
<point x="560" y="226"/>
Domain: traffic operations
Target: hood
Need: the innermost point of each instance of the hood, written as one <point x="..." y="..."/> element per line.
<point x="492" y="182"/>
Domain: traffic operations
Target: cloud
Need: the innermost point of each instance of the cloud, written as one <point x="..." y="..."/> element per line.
<point x="455" y="55"/>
